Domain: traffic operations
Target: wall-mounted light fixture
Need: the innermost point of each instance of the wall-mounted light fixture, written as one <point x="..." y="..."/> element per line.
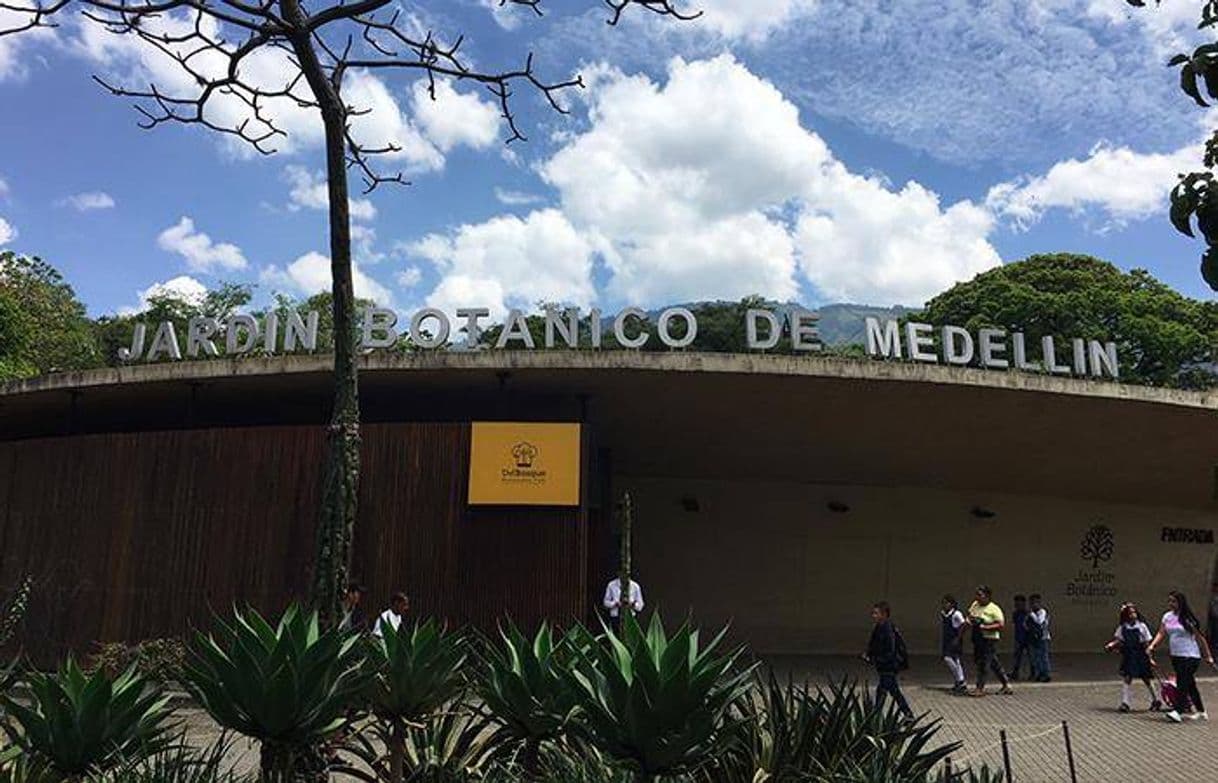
<point x="837" y="507"/>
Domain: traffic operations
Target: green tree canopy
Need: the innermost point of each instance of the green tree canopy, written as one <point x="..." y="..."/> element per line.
<point x="43" y="326"/>
<point x="1163" y="337"/>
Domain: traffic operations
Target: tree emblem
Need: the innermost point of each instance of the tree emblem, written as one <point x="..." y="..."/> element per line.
<point x="1097" y="545"/>
<point x="524" y="453"/>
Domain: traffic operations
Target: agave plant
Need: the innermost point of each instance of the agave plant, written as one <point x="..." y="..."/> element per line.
<point x="656" y="704"/>
<point x="792" y="733"/>
<point x="455" y="746"/>
<point x="289" y="686"/>
<point x="75" y="724"/>
<point x="413" y="672"/>
<point x="184" y="764"/>
<point x="526" y="685"/>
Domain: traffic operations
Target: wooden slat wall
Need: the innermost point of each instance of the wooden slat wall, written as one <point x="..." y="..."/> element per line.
<point x="135" y="536"/>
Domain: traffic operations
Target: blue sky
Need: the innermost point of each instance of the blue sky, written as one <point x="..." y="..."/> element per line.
<point x="870" y="151"/>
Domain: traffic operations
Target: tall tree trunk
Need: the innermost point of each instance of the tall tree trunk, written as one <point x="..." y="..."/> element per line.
<point x="397" y="752"/>
<point x="336" y="525"/>
<point x="336" y="521"/>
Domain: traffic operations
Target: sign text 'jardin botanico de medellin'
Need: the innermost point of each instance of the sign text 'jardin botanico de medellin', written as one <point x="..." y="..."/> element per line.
<point x="632" y="327"/>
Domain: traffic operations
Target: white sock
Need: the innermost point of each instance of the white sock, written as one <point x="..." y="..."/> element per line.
<point x="1126" y="693"/>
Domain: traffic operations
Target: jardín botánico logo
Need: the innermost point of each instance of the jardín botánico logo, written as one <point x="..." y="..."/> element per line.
<point x="1097" y="545"/>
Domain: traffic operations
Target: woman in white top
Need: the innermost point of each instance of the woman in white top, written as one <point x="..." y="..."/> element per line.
<point x="1187" y="646"/>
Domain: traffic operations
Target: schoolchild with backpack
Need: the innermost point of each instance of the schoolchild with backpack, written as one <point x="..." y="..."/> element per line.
<point x="886" y="651"/>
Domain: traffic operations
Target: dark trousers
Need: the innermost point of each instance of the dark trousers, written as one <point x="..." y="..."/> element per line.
<point x="1040" y="659"/>
<point x="1022" y="650"/>
<point x="890" y="687"/>
<point x="986" y="655"/>
<point x="1186" y="681"/>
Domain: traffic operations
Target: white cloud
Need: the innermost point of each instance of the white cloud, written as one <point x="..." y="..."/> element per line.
<point x="4" y="188"/>
<point x="510" y="262"/>
<point x="8" y="232"/>
<point x="516" y="198"/>
<point x="85" y="202"/>
<point x="752" y="20"/>
<point x="183" y="288"/>
<point x="861" y="242"/>
<point x="14" y="49"/>
<point x="975" y="82"/>
<point x="200" y="252"/>
<point x="746" y="199"/>
<point x="410" y="277"/>
<point x="309" y="191"/>
<point x="455" y="118"/>
<point x="1121" y="183"/>
<point x="310" y="274"/>
<point x="507" y="15"/>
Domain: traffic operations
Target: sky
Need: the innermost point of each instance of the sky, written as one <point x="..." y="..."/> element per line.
<point x="869" y="151"/>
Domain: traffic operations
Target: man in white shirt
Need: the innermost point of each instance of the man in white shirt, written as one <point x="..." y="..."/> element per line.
<point x="399" y="605"/>
<point x="613" y="600"/>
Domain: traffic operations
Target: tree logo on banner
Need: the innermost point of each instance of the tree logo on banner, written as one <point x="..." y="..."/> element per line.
<point x="1097" y="545"/>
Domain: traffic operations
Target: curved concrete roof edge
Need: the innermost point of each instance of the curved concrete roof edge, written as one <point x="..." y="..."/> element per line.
<point x="558" y="360"/>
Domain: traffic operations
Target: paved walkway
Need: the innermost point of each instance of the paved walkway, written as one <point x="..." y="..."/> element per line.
<point x="1109" y="747"/>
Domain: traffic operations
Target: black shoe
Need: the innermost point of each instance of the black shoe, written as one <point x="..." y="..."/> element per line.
<point x="1123" y="708"/>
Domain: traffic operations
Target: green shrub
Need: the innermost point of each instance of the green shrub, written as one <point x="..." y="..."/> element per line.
<point x="76" y="724"/>
<point x="288" y="686"/>
<point x="793" y="733"/>
<point x="527" y="686"/>
<point x="654" y="704"/>
<point x="183" y="764"/>
<point x="412" y="672"/>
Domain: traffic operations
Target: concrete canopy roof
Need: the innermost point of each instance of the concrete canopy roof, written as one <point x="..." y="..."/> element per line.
<point x="726" y="416"/>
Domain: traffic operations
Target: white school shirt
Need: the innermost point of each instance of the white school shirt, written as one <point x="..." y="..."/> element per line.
<point x="388" y="616"/>
<point x="1041" y="618"/>
<point x="613" y="594"/>
<point x="1142" y="628"/>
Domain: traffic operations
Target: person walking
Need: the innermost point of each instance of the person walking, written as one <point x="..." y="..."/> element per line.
<point x="1038" y="637"/>
<point x="987" y="621"/>
<point x="1187" y="646"/>
<point x="613" y="602"/>
<point x="391" y="618"/>
<point x="951" y="641"/>
<point x="1019" y="630"/>
<point x="886" y="652"/>
<point x="1131" y="639"/>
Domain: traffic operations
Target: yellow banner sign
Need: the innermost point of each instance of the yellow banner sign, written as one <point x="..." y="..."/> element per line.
<point x="524" y="464"/>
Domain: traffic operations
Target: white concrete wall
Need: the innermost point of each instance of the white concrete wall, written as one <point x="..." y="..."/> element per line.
<point x="793" y="577"/>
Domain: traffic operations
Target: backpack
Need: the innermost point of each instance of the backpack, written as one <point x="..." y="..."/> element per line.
<point x="1033" y="631"/>
<point x="902" y="652"/>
